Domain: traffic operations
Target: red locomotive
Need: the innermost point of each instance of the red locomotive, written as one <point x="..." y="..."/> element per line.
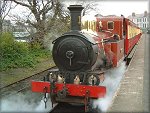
<point x="84" y="54"/>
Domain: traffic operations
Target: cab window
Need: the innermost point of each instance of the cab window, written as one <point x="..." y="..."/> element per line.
<point x="110" y="25"/>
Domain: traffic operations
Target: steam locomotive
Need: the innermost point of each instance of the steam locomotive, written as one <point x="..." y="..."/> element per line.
<point x="83" y="55"/>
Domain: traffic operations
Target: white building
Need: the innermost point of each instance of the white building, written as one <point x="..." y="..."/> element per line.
<point x="142" y="20"/>
<point x="21" y="36"/>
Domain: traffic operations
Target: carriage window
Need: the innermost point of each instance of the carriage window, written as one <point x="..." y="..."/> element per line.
<point x="110" y="25"/>
<point x="88" y="25"/>
<point x="84" y="25"/>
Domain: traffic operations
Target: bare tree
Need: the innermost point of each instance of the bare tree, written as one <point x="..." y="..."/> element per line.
<point x="5" y="8"/>
<point x="42" y="11"/>
<point x="88" y="7"/>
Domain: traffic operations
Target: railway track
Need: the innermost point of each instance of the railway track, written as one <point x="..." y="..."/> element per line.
<point x="67" y="108"/>
<point x="23" y="84"/>
<point x="70" y="108"/>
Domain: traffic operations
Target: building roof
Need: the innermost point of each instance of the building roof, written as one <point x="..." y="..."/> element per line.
<point x="139" y="15"/>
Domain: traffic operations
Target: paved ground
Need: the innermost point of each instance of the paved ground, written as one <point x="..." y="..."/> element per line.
<point x="130" y="96"/>
<point x="146" y="88"/>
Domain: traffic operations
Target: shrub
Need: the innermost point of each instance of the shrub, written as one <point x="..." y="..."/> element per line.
<point x="15" y="54"/>
<point x="9" y="48"/>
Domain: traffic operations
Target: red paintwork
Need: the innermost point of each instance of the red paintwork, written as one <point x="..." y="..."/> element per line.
<point x="117" y="24"/>
<point x="74" y="90"/>
<point x="118" y="50"/>
<point x="109" y="54"/>
<point x="130" y="42"/>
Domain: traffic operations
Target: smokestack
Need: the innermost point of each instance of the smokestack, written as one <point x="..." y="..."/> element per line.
<point x="75" y="11"/>
<point x="145" y="13"/>
<point x="133" y="14"/>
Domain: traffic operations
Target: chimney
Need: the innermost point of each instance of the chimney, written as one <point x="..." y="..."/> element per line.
<point x="75" y="11"/>
<point x="145" y="13"/>
<point x="133" y="14"/>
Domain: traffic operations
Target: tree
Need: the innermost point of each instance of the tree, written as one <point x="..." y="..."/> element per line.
<point x="5" y="8"/>
<point x="88" y="7"/>
<point x="42" y="11"/>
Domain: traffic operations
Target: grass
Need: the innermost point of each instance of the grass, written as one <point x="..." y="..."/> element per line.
<point x="16" y="74"/>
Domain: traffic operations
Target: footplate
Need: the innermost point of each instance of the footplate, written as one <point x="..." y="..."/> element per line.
<point x="73" y="89"/>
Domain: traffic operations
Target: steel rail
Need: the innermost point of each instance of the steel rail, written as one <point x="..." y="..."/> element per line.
<point x="22" y="84"/>
<point x="26" y="78"/>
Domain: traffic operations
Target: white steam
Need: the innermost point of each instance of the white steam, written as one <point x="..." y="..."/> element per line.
<point x="112" y="80"/>
<point x="22" y="103"/>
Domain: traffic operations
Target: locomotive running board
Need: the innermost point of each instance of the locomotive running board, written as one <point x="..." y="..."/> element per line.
<point x="73" y="89"/>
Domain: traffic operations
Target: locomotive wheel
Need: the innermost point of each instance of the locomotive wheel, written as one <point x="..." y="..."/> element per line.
<point x="93" y="80"/>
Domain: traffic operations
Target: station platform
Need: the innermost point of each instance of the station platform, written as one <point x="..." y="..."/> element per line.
<point x="130" y="96"/>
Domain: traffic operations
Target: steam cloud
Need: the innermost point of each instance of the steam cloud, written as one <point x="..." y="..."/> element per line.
<point x="112" y="80"/>
<point x="22" y="103"/>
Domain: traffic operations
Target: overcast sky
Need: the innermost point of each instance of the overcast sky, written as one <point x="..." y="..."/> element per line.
<point x="125" y="7"/>
<point x="105" y="7"/>
<point x="119" y="7"/>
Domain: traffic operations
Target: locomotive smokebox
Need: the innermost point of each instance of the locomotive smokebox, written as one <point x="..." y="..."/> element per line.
<point x="75" y="11"/>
